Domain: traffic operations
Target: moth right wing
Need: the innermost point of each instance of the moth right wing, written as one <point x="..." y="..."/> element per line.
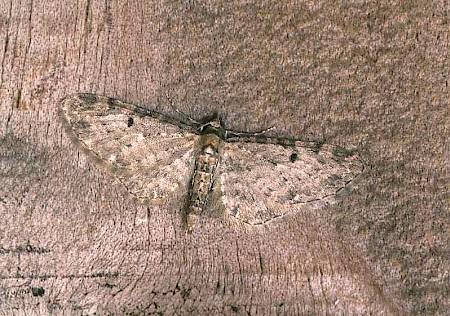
<point x="263" y="181"/>
<point x="150" y="154"/>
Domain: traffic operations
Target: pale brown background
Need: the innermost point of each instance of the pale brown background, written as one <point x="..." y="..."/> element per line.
<point x="369" y="75"/>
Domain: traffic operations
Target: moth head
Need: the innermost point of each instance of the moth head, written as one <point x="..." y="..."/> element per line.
<point x="215" y="122"/>
<point x="212" y="125"/>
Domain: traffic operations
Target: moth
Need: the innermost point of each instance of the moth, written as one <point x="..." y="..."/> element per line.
<point x="256" y="178"/>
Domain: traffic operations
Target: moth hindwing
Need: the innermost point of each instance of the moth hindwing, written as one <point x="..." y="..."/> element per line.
<point x="258" y="178"/>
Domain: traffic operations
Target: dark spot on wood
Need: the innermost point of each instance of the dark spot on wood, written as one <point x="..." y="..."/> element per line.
<point x="37" y="291"/>
<point x="235" y="308"/>
<point x="293" y="157"/>
<point x="130" y="122"/>
<point x="6" y="43"/>
<point x="19" y="97"/>
<point x="261" y="266"/>
<point x="86" y="13"/>
<point x="88" y="98"/>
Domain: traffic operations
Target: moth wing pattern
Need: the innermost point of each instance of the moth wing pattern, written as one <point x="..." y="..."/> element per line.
<point x="146" y="151"/>
<point x="260" y="182"/>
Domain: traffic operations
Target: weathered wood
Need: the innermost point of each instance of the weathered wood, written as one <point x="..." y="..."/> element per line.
<point x="371" y="75"/>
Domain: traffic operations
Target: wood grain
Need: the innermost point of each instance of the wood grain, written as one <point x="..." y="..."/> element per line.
<point x="373" y="75"/>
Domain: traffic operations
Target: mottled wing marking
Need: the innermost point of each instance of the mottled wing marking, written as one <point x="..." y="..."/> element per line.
<point x="148" y="152"/>
<point x="272" y="180"/>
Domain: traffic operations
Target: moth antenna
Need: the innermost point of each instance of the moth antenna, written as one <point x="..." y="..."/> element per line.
<point x="182" y="113"/>
<point x="265" y="131"/>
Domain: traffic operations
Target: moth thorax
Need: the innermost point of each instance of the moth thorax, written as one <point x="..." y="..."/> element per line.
<point x="210" y="142"/>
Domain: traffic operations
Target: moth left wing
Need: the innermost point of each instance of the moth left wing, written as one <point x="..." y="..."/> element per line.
<point x="262" y="181"/>
<point x="149" y="153"/>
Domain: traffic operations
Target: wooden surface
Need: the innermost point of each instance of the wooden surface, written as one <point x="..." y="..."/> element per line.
<point x="368" y="75"/>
